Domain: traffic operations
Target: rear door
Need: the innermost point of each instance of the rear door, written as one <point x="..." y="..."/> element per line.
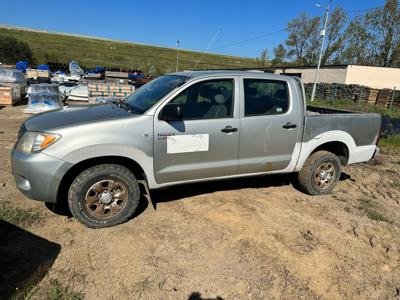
<point x="270" y="125"/>
<point x="206" y="142"/>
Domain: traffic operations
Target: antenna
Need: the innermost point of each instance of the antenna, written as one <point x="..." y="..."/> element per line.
<point x="204" y="52"/>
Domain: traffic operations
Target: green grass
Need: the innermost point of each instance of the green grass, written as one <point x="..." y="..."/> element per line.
<point x="17" y="216"/>
<point x="58" y="291"/>
<point x="90" y="52"/>
<point x="351" y="105"/>
<point x="370" y="210"/>
<point x="54" y="290"/>
<point x="391" y="143"/>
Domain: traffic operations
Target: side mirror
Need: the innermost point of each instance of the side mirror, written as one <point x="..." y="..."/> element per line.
<point x="171" y="112"/>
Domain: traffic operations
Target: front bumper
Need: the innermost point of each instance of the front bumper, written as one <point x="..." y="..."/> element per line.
<point x="38" y="176"/>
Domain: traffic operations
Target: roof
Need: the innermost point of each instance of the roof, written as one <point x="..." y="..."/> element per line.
<point x="342" y="66"/>
<point x="225" y="72"/>
<point x="337" y="66"/>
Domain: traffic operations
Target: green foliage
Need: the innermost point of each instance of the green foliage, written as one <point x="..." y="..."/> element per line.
<point x="279" y="55"/>
<point x="13" y="50"/>
<point x="391" y="143"/>
<point x="262" y="61"/>
<point x="335" y="36"/>
<point x="58" y="291"/>
<point x="374" y="38"/>
<point x="17" y="216"/>
<point x="370" y="210"/>
<point x="90" y="52"/>
<point x="303" y="39"/>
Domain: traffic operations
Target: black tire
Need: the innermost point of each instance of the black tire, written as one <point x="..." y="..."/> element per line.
<point x="104" y="178"/>
<point x="311" y="179"/>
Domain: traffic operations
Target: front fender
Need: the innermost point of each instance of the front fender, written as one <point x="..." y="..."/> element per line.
<point x="93" y="151"/>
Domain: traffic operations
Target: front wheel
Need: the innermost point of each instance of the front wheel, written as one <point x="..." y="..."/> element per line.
<point x="320" y="173"/>
<point x="104" y="195"/>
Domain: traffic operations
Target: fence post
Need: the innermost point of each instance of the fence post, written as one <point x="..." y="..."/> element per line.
<point x="392" y="98"/>
<point x="334" y="93"/>
<point x="359" y="96"/>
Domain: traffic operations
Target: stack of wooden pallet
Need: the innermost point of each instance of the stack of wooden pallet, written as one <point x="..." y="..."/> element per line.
<point x="372" y="95"/>
<point x="394" y="100"/>
<point x="107" y="89"/>
<point x="337" y="91"/>
<point x="384" y="97"/>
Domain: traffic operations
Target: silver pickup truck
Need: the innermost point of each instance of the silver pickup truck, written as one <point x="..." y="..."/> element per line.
<point x="185" y="127"/>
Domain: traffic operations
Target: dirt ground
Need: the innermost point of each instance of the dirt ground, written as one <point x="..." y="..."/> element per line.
<point x="254" y="238"/>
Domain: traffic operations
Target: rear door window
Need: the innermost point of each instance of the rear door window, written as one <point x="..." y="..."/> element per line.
<point x="265" y="97"/>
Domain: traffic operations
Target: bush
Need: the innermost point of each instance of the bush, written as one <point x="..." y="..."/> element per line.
<point x="13" y="50"/>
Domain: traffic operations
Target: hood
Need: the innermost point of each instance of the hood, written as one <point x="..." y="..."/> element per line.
<point x="72" y="116"/>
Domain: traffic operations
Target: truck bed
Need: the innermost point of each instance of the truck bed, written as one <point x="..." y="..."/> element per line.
<point x="363" y="127"/>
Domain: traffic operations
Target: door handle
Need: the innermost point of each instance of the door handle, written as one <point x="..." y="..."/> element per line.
<point x="229" y="129"/>
<point x="289" y="125"/>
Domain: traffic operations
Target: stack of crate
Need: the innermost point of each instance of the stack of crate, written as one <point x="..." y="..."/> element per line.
<point x="9" y="95"/>
<point x="34" y="73"/>
<point x="107" y="89"/>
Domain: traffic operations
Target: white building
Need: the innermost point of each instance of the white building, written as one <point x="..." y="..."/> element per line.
<point x="374" y="77"/>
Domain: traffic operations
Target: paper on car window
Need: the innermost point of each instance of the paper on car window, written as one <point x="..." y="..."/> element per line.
<point x="187" y="143"/>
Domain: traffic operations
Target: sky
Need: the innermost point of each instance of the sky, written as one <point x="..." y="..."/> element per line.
<point x="193" y="22"/>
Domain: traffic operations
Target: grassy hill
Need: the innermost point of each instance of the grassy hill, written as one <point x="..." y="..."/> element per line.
<point x="91" y="52"/>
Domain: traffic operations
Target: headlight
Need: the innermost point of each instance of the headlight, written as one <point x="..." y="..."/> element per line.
<point x="32" y="142"/>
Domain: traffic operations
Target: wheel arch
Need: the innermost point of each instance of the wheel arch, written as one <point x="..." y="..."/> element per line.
<point x="337" y="142"/>
<point x="76" y="169"/>
<point x="340" y="149"/>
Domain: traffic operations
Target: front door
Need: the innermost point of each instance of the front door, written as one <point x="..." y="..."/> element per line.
<point x="205" y="142"/>
<point x="270" y="126"/>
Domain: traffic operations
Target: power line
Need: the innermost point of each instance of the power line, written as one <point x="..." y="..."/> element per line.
<point x="248" y="40"/>
<point x="361" y="10"/>
<point x="281" y="30"/>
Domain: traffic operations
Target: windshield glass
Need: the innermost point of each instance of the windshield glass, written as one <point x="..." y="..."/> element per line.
<point x="147" y="95"/>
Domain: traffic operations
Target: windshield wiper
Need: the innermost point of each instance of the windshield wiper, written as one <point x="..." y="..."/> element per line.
<point x="124" y="105"/>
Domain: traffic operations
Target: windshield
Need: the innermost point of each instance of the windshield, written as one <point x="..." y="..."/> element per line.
<point x="147" y="95"/>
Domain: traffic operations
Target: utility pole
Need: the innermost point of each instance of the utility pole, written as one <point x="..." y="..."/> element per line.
<point x="323" y="32"/>
<point x="177" y="56"/>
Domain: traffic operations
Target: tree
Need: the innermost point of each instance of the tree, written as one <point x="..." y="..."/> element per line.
<point x="13" y="50"/>
<point x="303" y="39"/>
<point x="279" y="55"/>
<point x="384" y="26"/>
<point x="374" y="39"/>
<point x="356" y="46"/>
<point x="335" y="36"/>
<point x="262" y="61"/>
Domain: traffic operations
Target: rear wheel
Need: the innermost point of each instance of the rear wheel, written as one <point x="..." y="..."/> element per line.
<point x="320" y="173"/>
<point x="104" y="195"/>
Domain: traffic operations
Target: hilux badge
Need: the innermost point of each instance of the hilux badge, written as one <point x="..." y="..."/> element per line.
<point x="164" y="135"/>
